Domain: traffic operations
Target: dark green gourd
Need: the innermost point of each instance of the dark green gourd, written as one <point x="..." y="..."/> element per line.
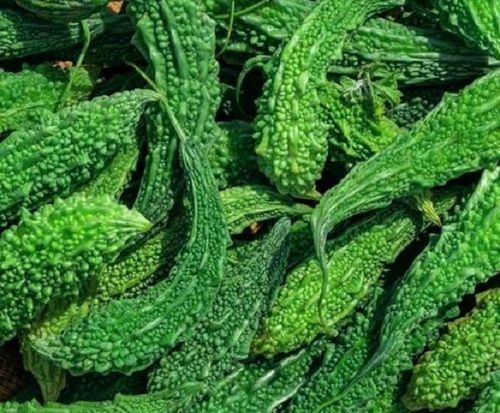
<point x="63" y="10"/>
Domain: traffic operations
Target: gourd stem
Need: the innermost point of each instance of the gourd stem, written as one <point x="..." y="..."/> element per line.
<point x="229" y="30"/>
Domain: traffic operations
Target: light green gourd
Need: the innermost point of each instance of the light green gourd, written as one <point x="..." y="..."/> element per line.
<point x="489" y="399"/>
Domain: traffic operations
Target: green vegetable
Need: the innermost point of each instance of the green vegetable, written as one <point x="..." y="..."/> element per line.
<point x="54" y="251"/>
<point x="30" y="92"/>
<point x="356" y="261"/>
<point x="62" y="10"/>
<point x="224" y="335"/>
<point x="468" y="122"/>
<point x="66" y="151"/>
<point x="489" y="400"/>
<point x="475" y="21"/>
<point x="249" y="204"/>
<point x="461" y="361"/>
<point x="178" y="41"/>
<point x="128" y="335"/>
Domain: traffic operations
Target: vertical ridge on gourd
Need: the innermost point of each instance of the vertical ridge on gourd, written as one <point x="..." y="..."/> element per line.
<point x="291" y="136"/>
<point x="178" y="41"/>
<point x="130" y="334"/>
<point x="62" y="10"/>
<point x="93" y="230"/>
<point x="356" y="261"/>
<point x="223" y="337"/>
<point x="468" y="122"/>
<point x="489" y="399"/>
<point x="475" y="21"/>
<point x="33" y="90"/>
<point x="66" y="151"/>
<point x="461" y="361"/>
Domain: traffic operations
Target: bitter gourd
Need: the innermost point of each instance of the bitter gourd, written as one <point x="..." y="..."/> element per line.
<point x="67" y="150"/>
<point x="468" y="122"/>
<point x="128" y="335"/>
<point x="178" y="41"/>
<point x="461" y="361"/>
<point x="53" y="252"/>
<point x="223" y="337"/>
<point x="356" y="261"/>
<point x="291" y="136"/>
<point x="36" y="89"/>
<point x="62" y="10"/>
<point x="475" y="21"/>
<point x="489" y="399"/>
<point x="250" y="204"/>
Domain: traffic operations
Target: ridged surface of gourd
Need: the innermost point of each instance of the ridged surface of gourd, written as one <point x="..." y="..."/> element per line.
<point x="54" y="251"/>
<point x="414" y="55"/>
<point x="232" y="157"/>
<point x="62" y="10"/>
<point x="469" y="122"/>
<point x="223" y="337"/>
<point x="130" y="334"/>
<point x="356" y="261"/>
<point x="461" y="361"/>
<point x="250" y="204"/>
<point x="22" y="34"/>
<point x="489" y="399"/>
<point x="291" y="136"/>
<point x="66" y="150"/>
<point x="28" y="93"/>
<point x="178" y="41"/>
<point x="476" y="21"/>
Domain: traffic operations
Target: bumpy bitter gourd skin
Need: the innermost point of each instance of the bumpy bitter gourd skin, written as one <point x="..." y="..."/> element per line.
<point x="461" y="361"/>
<point x="66" y="150"/>
<point x="469" y="122"/>
<point x="476" y="21"/>
<point x="223" y="336"/>
<point x="36" y="89"/>
<point x="128" y="335"/>
<point x="250" y="204"/>
<point x="178" y="41"/>
<point x="62" y="10"/>
<point x="55" y="250"/>
<point x="356" y="261"/>
<point x="489" y="399"/>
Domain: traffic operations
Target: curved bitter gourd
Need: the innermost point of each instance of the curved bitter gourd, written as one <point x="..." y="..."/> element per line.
<point x="55" y="250"/>
<point x="356" y="261"/>
<point x="489" y="399"/>
<point x="462" y="361"/>
<point x="62" y="10"/>
<point x="66" y="151"/>
<point x="129" y="334"/>
<point x="178" y="41"/>
<point x="291" y="136"/>
<point x="469" y="122"/>
<point x="223" y="337"/>
<point x="475" y="21"/>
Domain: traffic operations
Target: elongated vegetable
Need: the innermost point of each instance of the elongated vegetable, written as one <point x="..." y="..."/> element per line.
<point x="53" y="252"/>
<point x="291" y="136"/>
<point x="417" y="159"/>
<point x="62" y="10"/>
<point x="461" y="361"/>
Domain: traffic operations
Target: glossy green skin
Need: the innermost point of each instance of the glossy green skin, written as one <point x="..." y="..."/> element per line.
<point x="250" y="204"/>
<point x="356" y="261"/>
<point x="232" y="156"/>
<point x="414" y="55"/>
<point x="178" y="41"/>
<point x="32" y="253"/>
<point x="461" y="361"/>
<point x="489" y="399"/>
<point x="66" y="150"/>
<point x="30" y="92"/>
<point x="224" y="335"/>
<point x="128" y="335"/>
<point x="62" y="10"/>
<point x="291" y="136"/>
<point x="475" y="21"/>
<point x="468" y="122"/>
<point x="22" y="34"/>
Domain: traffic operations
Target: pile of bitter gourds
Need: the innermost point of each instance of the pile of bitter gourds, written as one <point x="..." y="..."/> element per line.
<point x="251" y="206"/>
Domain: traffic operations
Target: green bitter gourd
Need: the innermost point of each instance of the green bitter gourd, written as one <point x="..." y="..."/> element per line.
<point x="62" y="10"/>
